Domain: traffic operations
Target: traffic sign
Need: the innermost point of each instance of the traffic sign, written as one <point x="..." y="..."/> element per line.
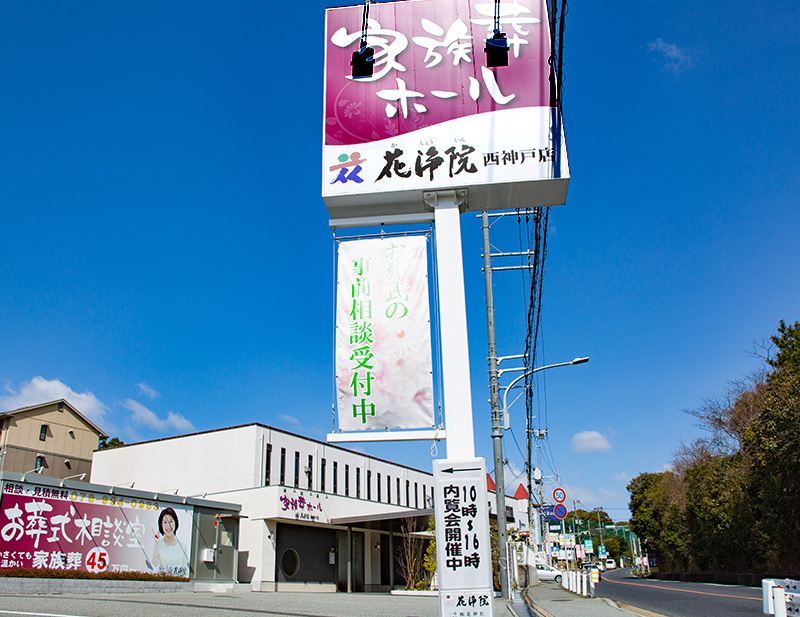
<point x="560" y="511"/>
<point x="559" y="495"/>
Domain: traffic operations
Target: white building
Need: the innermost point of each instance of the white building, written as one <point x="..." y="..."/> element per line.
<point x="314" y="516"/>
<point x="301" y="500"/>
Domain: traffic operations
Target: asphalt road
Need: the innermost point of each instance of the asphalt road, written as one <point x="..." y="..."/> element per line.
<point x="679" y="599"/>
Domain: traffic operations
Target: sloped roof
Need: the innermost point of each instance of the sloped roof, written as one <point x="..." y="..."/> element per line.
<point x="521" y="493"/>
<point x="83" y="418"/>
<point x="490" y="485"/>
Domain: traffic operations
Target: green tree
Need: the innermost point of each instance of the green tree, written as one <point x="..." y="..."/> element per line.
<point x="107" y="444"/>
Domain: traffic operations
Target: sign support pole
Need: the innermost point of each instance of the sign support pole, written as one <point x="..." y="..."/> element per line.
<point x="497" y="425"/>
<point x="457" y="393"/>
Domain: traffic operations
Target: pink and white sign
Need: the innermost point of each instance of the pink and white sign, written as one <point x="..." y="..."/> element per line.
<point x="433" y="116"/>
<point x="62" y="529"/>
<point x="383" y="341"/>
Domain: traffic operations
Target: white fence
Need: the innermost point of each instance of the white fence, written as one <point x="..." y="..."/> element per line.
<point x="780" y="597"/>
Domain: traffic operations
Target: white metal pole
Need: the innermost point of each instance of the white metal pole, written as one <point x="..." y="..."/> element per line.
<point x="453" y="309"/>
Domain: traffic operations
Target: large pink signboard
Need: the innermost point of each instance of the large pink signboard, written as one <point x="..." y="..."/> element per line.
<point x="62" y="529"/>
<point x="433" y="116"/>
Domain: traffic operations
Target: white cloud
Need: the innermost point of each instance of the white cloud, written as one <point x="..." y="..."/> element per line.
<point x="290" y="419"/>
<point x="40" y="390"/>
<point x="149" y="392"/>
<point x="589" y="441"/>
<point x="666" y="467"/>
<point x="676" y="59"/>
<point x="622" y="477"/>
<point x="143" y="415"/>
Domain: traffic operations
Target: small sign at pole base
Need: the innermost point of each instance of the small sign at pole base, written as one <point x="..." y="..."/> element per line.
<point x="463" y="548"/>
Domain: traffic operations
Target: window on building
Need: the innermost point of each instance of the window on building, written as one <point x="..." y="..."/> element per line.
<point x="310" y="472"/>
<point x="322" y="465"/>
<point x="408" y="490"/>
<point x="297" y="469"/>
<point x="283" y="466"/>
<point x="397" y="492"/>
<point x="347" y="480"/>
<point x="378" y="486"/>
<point x="43" y="432"/>
<point x="416" y="495"/>
<point x="388" y="489"/>
<point x="39" y="462"/>
<point x="424" y="497"/>
<point x="268" y="464"/>
<point x="358" y="482"/>
<point x="335" y="478"/>
<point x="369" y="485"/>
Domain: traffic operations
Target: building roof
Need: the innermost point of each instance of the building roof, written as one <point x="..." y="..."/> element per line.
<point x="277" y="430"/>
<point x="521" y="493"/>
<point x="94" y="427"/>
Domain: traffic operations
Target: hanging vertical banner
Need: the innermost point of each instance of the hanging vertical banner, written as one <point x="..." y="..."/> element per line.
<point x="383" y="341"/>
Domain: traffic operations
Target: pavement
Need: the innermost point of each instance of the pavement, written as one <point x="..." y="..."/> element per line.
<point x="549" y="599"/>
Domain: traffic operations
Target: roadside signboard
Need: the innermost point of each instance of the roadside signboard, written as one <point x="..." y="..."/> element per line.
<point x="462" y="538"/>
<point x="434" y="116"/>
<point x="588" y="545"/>
<point x="92" y="531"/>
<point x="601" y="551"/>
<point x="560" y="511"/>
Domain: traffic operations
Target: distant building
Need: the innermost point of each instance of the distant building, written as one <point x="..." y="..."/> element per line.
<point x="54" y="438"/>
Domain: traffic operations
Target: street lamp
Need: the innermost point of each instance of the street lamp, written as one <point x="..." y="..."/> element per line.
<point x="497" y="435"/>
<point x="526" y="374"/>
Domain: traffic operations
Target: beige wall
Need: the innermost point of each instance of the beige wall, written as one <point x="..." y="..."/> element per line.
<point x="68" y="439"/>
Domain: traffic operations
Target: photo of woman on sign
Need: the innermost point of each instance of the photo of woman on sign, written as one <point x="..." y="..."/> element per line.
<point x="169" y="555"/>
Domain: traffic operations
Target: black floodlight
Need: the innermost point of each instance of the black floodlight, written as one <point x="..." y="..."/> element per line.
<point x="362" y="62"/>
<point x="497" y="50"/>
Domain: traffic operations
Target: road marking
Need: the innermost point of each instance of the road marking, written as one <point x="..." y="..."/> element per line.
<point x="37" y="614"/>
<point x="702" y="593"/>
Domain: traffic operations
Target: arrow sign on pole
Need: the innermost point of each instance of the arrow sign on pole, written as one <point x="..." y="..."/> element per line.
<point x="453" y="469"/>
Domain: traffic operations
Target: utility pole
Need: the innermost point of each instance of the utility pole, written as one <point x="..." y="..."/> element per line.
<point x="497" y="425"/>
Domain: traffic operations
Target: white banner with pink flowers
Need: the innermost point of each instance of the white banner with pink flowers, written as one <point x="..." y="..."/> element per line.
<point x="383" y="337"/>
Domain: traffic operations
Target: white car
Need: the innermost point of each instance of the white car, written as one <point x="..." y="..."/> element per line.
<point x="611" y="564"/>
<point x="549" y="573"/>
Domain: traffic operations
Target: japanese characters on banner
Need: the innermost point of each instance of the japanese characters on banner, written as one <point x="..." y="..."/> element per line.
<point x="62" y="529"/>
<point x="464" y="562"/>
<point x="433" y="115"/>
<point x="383" y="341"/>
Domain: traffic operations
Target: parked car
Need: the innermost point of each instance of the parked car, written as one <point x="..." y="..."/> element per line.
<point x="549" y="573"/>
<point x="611" y="564"/>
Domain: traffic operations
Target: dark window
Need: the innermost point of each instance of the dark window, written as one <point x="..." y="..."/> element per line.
<point x="269" y="464"/>
<point x="378" y="486"/>
<point x="388" y="489"/>
<point x="297" y="469"/>
<point x="43" y="433"/>
<point x="509" y="513"/>
<point x="358" y="482"/>
<point x="335" y="478"/>
<point x="322" y="464"/>
<point x="416" y="495"/>
<point x="39" y="462"/>
<point x="369" y="485"/>
<point x="290" y="562"/>
<point x="397" y="493"/>
<point x="310" y="472"/>
<point x="408" y="490"/>
<point x="283" y="465"/>
<point x="424" y="497"/>
<point x="347" y="480"/>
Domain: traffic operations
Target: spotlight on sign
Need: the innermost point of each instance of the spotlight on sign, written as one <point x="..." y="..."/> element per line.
<point x="363" y="61"/>
<point x="497" y="50"/>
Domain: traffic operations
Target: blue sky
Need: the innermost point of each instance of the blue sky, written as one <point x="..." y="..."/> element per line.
<point x="166" y="262"/>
